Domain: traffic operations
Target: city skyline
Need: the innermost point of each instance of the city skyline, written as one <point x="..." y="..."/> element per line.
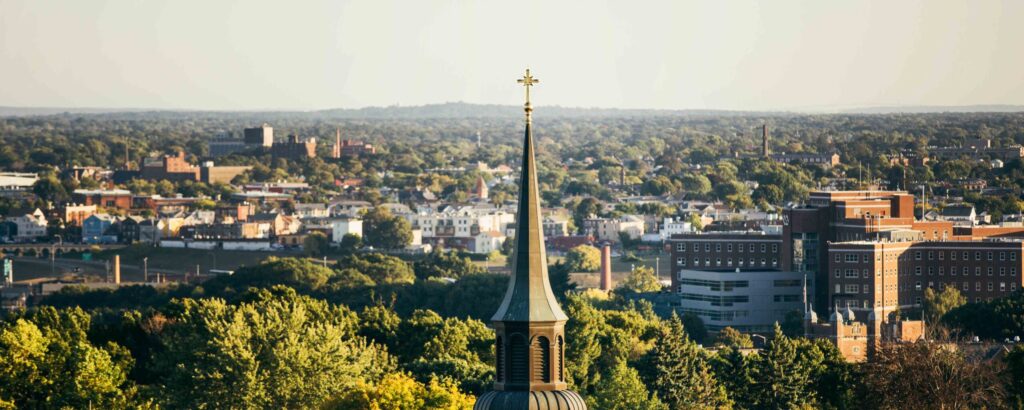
<point x="794" y="55"/>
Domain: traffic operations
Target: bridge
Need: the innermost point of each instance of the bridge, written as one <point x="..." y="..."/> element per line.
<point x="44" y="249"/>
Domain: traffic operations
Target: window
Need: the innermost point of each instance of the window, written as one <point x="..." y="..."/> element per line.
<point x="990" y="286"/>
<point x="977" y="256"/>
<point x="775" y="247"/>
<point x="838" y="256"/>
<point x="941" y="269"/>
<point x="728" y="262"/>
<point x="1002" y="271"/>
<point x="1002" y="286"/>
<point x="718" y="261"/>
<point x="681" y="247"/>
<point x="917" y="255"/>
<point x="728" y="247"/>
<point x="1013" y="286"/>
<point x="866" y="258"/>
<point x="681" y="261"/>
<point x="1002" y="256"/>
<point x="977" y="271"/>
<point x="707" y="261"/>
<point x="707" y="247"/>
<point x="751" y="248"/>
<point x="1013" y="256"/>
<point x="696" y="261"/>
<point x="851" y="273"/>
<point x="750" y="262"/>
<point x="931" y="255"/>
<point x="864" y="273"/>
<point x="966" y="272"/>
<point x="942" y="255"/>
<point x="837" y="273"/>
<point x="865" y="289"/>
<point x="775" y="262"/>
<point x="988" y="255"/>
<point x="917" y="270"/>
<point x="696" y="247"/>
<point x="977" y="286"/>
<point x="852" y="288"/>
<point x="762" y="262"/>
<point x="718" y="247"/>
<point x="967" y="286"/>
<point x="917" y="286"/>
<point x="967" y="256"/>
<point x="931" y="270"/>
<point x="952" y="256"/>
<point x="763" y="247"/>
<point x="1013" y="271"/>
<point x="839" y="288"/>
<point x="989" y="271"/>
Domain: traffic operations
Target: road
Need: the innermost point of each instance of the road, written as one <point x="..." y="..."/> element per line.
<point x="26" y="267"/>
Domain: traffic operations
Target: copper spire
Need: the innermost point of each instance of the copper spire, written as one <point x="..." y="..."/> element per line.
<point x="529" y="324"/>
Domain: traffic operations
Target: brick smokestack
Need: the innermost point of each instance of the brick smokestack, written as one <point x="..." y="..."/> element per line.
<point x="606" y="267"/>
<point x="765" y="152"/>
<point x="117" y="269"/>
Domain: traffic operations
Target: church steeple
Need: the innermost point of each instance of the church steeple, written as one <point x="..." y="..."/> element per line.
<point x="529" y="325"/>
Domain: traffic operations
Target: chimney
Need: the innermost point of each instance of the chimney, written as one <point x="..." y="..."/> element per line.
<point x="117" y="269"/>
<point x="606" y="267"/>
<point x="765" y="152"/>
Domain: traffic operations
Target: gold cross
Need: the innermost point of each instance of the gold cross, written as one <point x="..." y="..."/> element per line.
<point x="528" y="81"/>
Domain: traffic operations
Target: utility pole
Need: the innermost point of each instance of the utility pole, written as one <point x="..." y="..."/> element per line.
<point x="145" y="269"/>
<point x="657" y="267"/>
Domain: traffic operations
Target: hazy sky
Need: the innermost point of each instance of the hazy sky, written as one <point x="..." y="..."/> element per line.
<point x="771" y="54"/>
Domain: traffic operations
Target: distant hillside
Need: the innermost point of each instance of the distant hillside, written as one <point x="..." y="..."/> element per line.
<point x="446" y="110"/>
<point x="935" y="109"/>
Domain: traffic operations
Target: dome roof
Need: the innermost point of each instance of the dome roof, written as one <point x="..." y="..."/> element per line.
<point x="530" y="400"/>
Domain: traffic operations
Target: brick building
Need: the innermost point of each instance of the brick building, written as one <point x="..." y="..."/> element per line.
<point x="868" y="257"/>
<point x="169" y="167"/>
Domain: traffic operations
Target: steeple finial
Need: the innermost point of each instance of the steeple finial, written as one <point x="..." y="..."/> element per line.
<point x="528" y="81"/>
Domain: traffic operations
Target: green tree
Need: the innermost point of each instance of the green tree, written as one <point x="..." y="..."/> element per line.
<point x="680" y="374"/>
<point x="783" y="378"/>
<point x="583" y="258"/>
<point x="937" y="304"/>
<point x="383" y="269"/>
<point x="622" y="389"/>
<point x="733" y="338"/>
<point x="399" y="391"/>
<point x="350" y="243"/>
<point x="735" y="371"/>
<point x="386" y="231"/>
<point x="276" y="350"/>
<point x="641" y="280"/>
<point x="49" y="189"/>
<point x="440" y="264"/>
<point x="47" y="361"/>
<point x="315" y="244"/>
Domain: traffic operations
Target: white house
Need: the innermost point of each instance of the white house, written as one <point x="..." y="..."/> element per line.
<point x="345" y="226"/>
<point x="30" y="226"/>
<point x="673" y="226"/>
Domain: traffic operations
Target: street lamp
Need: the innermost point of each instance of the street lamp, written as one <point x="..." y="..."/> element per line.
<point x="145" y="269"/>
<point x="60" y="243"/>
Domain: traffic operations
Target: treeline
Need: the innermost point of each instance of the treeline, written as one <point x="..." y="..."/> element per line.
<point x="376" y="331"/>
<point x="675" y="154"/>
